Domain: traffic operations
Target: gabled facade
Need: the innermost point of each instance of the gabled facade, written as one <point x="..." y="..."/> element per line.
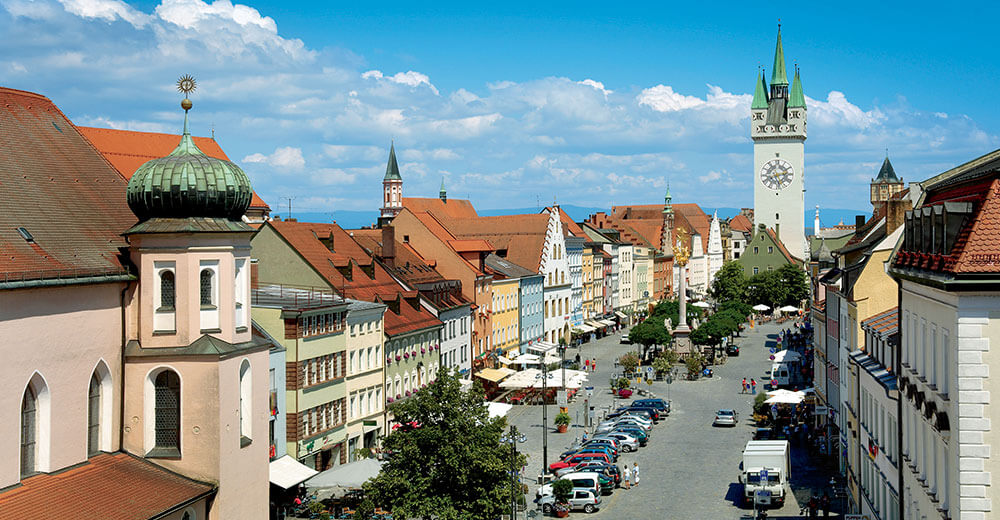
<point x="765" y="252"/>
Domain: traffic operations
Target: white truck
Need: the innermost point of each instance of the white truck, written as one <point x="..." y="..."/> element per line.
<point x="765" y="473"/>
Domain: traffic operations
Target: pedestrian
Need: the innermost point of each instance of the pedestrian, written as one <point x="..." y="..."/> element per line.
<point x="626" y="475"/>
<point x="753" y="386"/>
<point x="824" y="504"/>
<point x="586" y="363"/>
<point x="593" y="365"/>
<point x="635" y="473"/>
<point x="744" y="390"/>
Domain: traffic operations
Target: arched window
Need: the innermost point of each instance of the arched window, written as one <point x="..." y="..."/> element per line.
<point x="246" y="403"/>
<point x="167" y="290"/>
<point x="167" y="426"/>
<point x="94" y="416"/>
<point x="29" y="432"/>
<point x="206" y="287"/>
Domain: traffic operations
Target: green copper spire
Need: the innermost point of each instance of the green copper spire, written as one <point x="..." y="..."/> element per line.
<point x="795" y="97"/>
<point x="667" y="201"/>
<point x="392" y="169"/>
<point x="443" y="193"/>
<point x="778" y="70"/>
<point x="760" y="93"/>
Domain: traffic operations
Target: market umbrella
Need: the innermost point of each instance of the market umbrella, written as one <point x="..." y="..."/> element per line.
<point x="790" y="398"/>
<point x="789" y="308"/>
<point x="761" y="307"/>
<point x="702" y="305"/>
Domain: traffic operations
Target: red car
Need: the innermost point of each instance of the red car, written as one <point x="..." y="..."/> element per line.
<point x="577" y="459"/>
<point x="625" y="393"/>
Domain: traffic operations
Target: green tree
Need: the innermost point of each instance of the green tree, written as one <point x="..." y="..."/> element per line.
<point x="650" y="332"/>
<point x="795" y="283"/>
<point x="562" y="489"/>
<point x="451" y="465"/>
<point x="730" y="283"/>
<point x="740" y="308"/>
<point x="693" y="364"/>
<point x="664" y="362"/>
<point x="629" y="362"/>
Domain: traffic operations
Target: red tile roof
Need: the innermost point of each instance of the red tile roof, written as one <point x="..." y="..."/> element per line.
<point x="53" y="184"/>
<point x="979" y="252"/>
<point x="110" y="486"/>
<point x="741" y="223"/>
<point x="453" y="208"/>
<point x="127" y="150"/>
<point x="344" y="266"/>
<point x="523" y="236"/>
<point x="883" y="323"/>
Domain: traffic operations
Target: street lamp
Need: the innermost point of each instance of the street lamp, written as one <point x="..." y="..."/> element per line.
<point x="545" y="417"/>
<point x="513" y="438"/>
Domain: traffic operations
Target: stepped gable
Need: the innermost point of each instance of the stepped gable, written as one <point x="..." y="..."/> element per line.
<point x="352" y="271"/>
<point x="127" y="150"/>
<point x="69" y="201"/>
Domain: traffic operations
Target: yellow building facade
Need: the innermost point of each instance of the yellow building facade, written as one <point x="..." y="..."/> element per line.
<point x="506" y="315"/>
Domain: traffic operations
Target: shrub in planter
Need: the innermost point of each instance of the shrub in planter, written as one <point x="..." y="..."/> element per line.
<point x="423" y="350"/>
<point x="414" y="352"/>
<point x="388" y="400"/>
<point x="563" y="490"/>
<point x="562" y="421"/>
<point x="398" y="357"/>
<point x="407" y="393"/>
<point x="406" y="355"/>
<point x="388" y="360"/>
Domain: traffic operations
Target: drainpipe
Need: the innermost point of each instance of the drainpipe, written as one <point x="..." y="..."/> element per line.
<point x="898" y="367"/>
<point x="121" y="383"/>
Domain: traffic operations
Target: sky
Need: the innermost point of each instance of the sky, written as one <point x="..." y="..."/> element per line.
<point x="516" y="104"/>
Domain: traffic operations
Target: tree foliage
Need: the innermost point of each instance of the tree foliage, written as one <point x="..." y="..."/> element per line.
<point x="665" y="361"/>
<point x="650" y="332"/>
<point x="730" y="283"/>
<point x="563" y="490"/>
<point x="786" y="286"/>
<point x="451" y="465"/>
<point x="629" y="362"/>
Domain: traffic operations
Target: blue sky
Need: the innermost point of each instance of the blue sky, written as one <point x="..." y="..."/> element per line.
<point x="593" y="104"/>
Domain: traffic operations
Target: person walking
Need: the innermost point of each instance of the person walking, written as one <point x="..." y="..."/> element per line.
<point x="593" y="365"/>
<point x="753" y="386"/>
<point x="586" y="364"/>
<point x="635" y="473"/>
<point x="626" y="475"/>
<point x="744" y="390"/>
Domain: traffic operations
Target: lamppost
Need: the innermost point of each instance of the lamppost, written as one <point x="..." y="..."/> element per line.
<point x="545" y="417"/>
<point x="513" y="438"/>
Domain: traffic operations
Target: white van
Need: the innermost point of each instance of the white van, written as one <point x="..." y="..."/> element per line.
<point x="781" y="372"/>
<point x="581" y="480"/>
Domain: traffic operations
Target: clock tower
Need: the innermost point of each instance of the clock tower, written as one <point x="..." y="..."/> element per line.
<point x="778" y="129"/>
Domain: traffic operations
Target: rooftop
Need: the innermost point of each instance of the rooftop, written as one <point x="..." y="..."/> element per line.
<point x="298" y="298"/>
<point x="109" y="486"/>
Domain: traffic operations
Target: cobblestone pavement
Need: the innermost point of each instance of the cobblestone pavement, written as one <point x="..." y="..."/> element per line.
<point x="689" y="469"/>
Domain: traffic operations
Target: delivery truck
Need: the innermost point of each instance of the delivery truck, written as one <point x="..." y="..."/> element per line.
<point x="765" y="473"/>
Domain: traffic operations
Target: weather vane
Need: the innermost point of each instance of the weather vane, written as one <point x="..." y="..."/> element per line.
<point x="186" y="85"/>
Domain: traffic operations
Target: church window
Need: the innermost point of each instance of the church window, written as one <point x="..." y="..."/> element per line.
<point x="167" y="389"/>
<point x="206" y="288"/>
<point x="246" y="402"/>
<point x="29" y="432"/>
<point x="94" y="415"/>
<point x="167" y="290"/>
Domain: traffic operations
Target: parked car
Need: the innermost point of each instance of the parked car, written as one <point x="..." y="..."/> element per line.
<point x="733" y="349"/>
<point x="640" y="435"/>
<point x="626" y="442"/>
<point x="586" y="500"/>
<point x="625" y="393"/>
<point x="604" y="443"/>
<point x="588" y="480"/>
<point x="609" y="470"/>
<point x="611" y="453"/>
<point x="726" y="417"/>
<point x="648" y="411"/>
<point x="625" y="340"/>
<point x="654" y="402"/>
<point x="574" y="460"/>
<point x="637" y="417"/>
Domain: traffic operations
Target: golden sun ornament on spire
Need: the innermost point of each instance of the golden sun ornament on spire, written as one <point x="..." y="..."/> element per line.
<point x="186" y="85"/>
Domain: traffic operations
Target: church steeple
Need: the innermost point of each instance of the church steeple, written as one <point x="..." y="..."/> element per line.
<point x="778" y="76"/>
<point x="392" y="169"/>
<point x="795" y="98"/>
<point x="443" y="193"/>
<point x="760" y="93"/>
<point x="392" y="189"/>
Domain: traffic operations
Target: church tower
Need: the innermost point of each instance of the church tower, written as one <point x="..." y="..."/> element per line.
<point x="885" y="185"/>
<point x="778" y="130"/>
<point x="666" y="237"/>
<point x="392" y="190"/>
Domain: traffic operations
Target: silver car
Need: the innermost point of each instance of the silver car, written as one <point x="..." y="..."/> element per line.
<point x="626" y="441"/>
<point x="581" y="499"/>
<point x="726" y="417"/>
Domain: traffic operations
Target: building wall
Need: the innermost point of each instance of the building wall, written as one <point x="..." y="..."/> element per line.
<point x="414" y="363"/>
<point x="642" y="276"/>
<point x="532" y="320"/>
<point x="782" y="210"/>
<point x="587" y="273"/>
<point x="365" y="377"/>
<point x="506" y="314"/>
<point x="279" y="413"/>
<point x="874" y="292"/>
<point x="761" y="254"/>
<point x="878" y="474"/>
<point x="558" y="289"/>
<point x="456" y="338"/>
<point x="574" y="260"/>
<point x="278" y="263"/>
<point x="63" y="334"/>
<point x="626" y="277"/>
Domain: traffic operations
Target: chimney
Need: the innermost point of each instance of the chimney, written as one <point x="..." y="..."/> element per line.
<point x="389" y="245"/>
<point x="859" y="222"/>
<point x="896" y="209"/>
<point x="254" y="266"/>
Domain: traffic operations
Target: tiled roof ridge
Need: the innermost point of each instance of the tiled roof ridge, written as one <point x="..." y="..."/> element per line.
<point x="980" y="249"/>
<point x="27" y="93"/>
<point x="781" y="246"/>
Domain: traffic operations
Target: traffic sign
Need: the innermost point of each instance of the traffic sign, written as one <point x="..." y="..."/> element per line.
<point x="590" y="391"/>
<point x="763" y="476"/>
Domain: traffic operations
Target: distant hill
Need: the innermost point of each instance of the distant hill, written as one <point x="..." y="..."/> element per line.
<point x="358" y="219"/>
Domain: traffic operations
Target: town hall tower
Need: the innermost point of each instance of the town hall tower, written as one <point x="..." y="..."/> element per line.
<point x="778" y="129"/>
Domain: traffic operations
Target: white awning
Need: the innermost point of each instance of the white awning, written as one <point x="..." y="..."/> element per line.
<point x="498" y="409"/>
<point x="541" y="347"/>
<point x="584" y="328"/>
<point x="785" y="356"/>
<point x="286" y="472"/>
<point x="609" y="323"/>
<point x="702" y="305"/>
<point x="350" y="476"/>
<point x="596" y="324"/>
<point x="621" y="315"/>
<point x="504" y="360"/>
<point x="789" y="308"/>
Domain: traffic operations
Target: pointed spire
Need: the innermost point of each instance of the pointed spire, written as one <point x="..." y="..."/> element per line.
<point x="443" y="194"/>
<point x="778" y="76"/>
<point x="392" y="169"/>
<point x="886" y="173"/>
<point x="760" y="93"/>
<point x="795" y="97"/>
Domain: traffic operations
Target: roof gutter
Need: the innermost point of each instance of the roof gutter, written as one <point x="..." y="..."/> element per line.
<point x="61" y="282"/>
<point x="173" y="509"/>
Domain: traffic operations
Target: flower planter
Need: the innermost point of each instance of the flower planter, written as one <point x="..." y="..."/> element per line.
<point x="388" y="360"/>
<point x="423" y="350"/>
<point x="414" y="352"/>
<point x="562" y="428"/>
<point x="407" y="393"/>
<point x="406" y="355"/>
<point x="399" y="396"/>
<point x="398" y="357"/>
<point x="389" y="400"/>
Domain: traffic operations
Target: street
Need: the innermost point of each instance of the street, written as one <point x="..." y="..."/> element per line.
<point x="689" y="468"/>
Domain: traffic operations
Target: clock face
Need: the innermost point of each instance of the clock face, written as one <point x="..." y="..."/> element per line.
<point x="776" y="174"/>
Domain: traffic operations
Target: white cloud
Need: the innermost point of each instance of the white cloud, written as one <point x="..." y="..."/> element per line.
<point x="662" y="98"/>
<point x="837" y="110"/>
<point x="597" y="85"/>
<point x="409" y="78"/>
<point x="107" y="10"/>
<point x="283" y="158"/>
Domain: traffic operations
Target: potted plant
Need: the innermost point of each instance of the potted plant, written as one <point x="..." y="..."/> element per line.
<point x="562" y="421"/>
<point x="562" y="489"/>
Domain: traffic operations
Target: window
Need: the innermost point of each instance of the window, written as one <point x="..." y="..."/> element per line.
<point x="94" y="416"/>
<point x="29" y="432"/>
<point x="241" y="310"/>
<point x="770" y="249"/>
<point x="206" y="288"/>
<point x="756" y="269"/>
<point x="167" y="389"/>
<point x="167" y="290"/>
<point x="246" y="403"/>
<point x="756" y="250"/>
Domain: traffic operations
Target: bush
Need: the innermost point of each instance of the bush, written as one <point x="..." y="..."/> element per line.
<point x="629" y="362"/>
<point x="759" y="406"/>
<point x="562" y="419"/>
<point x="563" y="490"/>
<point x="693" y="364"/>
